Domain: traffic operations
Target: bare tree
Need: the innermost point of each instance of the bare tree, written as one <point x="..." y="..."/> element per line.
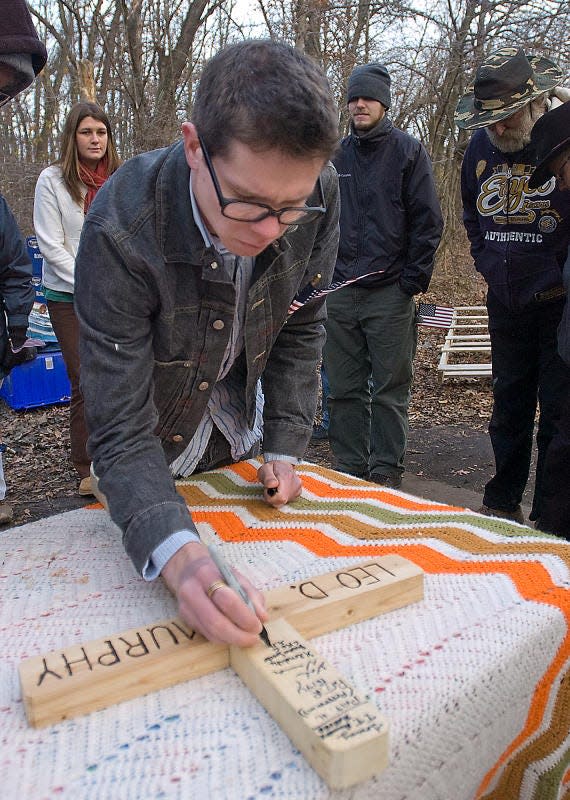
<point x="141" y="61"/>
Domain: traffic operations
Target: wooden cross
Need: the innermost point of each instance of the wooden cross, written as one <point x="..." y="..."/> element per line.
<point x="339" y="732"/>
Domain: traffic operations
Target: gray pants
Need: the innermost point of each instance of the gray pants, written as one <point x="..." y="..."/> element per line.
<point x="368" y="356"/>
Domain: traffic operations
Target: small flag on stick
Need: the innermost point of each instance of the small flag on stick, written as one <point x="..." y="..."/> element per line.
<point x="433" y="316"/>
<point x="310" y="292"/>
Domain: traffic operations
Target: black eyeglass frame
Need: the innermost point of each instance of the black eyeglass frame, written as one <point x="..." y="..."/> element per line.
<point x="309" y="213"/>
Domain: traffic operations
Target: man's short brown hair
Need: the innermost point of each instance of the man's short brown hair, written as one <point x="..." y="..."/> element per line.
<point x="266" y="94"/>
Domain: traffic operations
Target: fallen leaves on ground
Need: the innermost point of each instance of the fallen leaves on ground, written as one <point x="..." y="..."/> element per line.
<point x="41" y="480"/>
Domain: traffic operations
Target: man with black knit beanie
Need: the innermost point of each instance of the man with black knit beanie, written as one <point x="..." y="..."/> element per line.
<point x="390" y="227"/>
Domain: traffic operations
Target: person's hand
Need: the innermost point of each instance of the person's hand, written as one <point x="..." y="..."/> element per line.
<point x="281" y="484"/>
<point x="18" y="338"/>
<point x="222" y="617"/>
<point x="16" y="353"/>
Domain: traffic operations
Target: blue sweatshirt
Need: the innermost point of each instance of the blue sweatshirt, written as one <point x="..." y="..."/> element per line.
<point x="519" y="237"/>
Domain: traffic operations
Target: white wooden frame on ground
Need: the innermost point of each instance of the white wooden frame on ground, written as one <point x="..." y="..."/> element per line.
<point x="458" y="340"/>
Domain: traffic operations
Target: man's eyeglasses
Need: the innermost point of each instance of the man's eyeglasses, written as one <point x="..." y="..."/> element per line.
<point x="558" y="174"/>
<point x="4" y="98"/>
<point x="244" y="211"/>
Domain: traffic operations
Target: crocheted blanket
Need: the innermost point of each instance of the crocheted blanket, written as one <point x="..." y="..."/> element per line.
<point x="474" y="679"/>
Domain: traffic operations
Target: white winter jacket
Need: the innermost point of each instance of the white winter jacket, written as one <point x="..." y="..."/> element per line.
<point x="58" y="220"/>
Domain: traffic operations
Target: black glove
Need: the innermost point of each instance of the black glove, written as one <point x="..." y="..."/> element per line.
<point x="15" y="352"/>
<point x="17" y="338"/>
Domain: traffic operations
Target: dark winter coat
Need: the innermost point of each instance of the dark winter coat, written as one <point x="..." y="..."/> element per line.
<point x="16" y="290"/>
<point x="390" y="217"/>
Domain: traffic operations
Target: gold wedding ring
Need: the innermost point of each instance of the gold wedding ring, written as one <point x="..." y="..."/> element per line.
<point x="213" y="587"/>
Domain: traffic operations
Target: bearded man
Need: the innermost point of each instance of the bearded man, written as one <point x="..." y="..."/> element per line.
<point x="519" y="239"/>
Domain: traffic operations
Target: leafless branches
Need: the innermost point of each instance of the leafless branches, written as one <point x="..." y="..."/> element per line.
<point x="141" y="59"/>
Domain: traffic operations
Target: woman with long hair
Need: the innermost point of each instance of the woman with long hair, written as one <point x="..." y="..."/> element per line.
<point x="64" y="192"/>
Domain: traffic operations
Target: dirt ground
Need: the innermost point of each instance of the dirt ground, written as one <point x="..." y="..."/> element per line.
<point x="448" y="438"/>
<point x="448" y="441"/>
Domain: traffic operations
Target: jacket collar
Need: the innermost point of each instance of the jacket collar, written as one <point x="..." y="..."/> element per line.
<point x="179" y="236"/>
<point x="376" y="133"/>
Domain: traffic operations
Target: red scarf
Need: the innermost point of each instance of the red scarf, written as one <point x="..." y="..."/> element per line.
<point x="93" y="179"/>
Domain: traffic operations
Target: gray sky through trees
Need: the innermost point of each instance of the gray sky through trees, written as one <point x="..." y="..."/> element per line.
<point x="141" y="60"/>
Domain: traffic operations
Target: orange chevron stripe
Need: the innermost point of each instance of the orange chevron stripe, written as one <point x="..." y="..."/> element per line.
<point x="531" y="579"/>
<point x="462" y="538"/>
<point x="245" y="470"/>
<point x="355" y="489"/>
<point x="555" y="736"/>
<point x="385" y="495"/>
<point x="511" y="780"/>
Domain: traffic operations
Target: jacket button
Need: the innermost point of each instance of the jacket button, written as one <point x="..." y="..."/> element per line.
<point x="177" y="438"/>
<point x="214" y="265"/>
<point x="203" y="386"/>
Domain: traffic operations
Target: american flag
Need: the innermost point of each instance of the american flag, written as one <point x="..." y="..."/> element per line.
<point x="310" y="292"/>
<point x="433" y="316"/>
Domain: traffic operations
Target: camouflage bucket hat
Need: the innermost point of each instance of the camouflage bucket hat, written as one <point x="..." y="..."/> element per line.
<point x="505" y="82"/>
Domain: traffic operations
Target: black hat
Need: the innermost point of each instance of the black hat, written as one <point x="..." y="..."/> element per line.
<point x="505" y="82"/>
<point x="370" y="80"/>
<point x="550" y="136"/>
<point x="20" y="47"/>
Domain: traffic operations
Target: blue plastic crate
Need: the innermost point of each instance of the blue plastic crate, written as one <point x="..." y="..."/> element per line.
<point x="41" y="382"/>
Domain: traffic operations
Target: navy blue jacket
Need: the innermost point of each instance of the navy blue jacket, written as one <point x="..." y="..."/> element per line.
<point x="16" y="290"/>
<point x="519" y="237"/>
<point x="390" y="217"/>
